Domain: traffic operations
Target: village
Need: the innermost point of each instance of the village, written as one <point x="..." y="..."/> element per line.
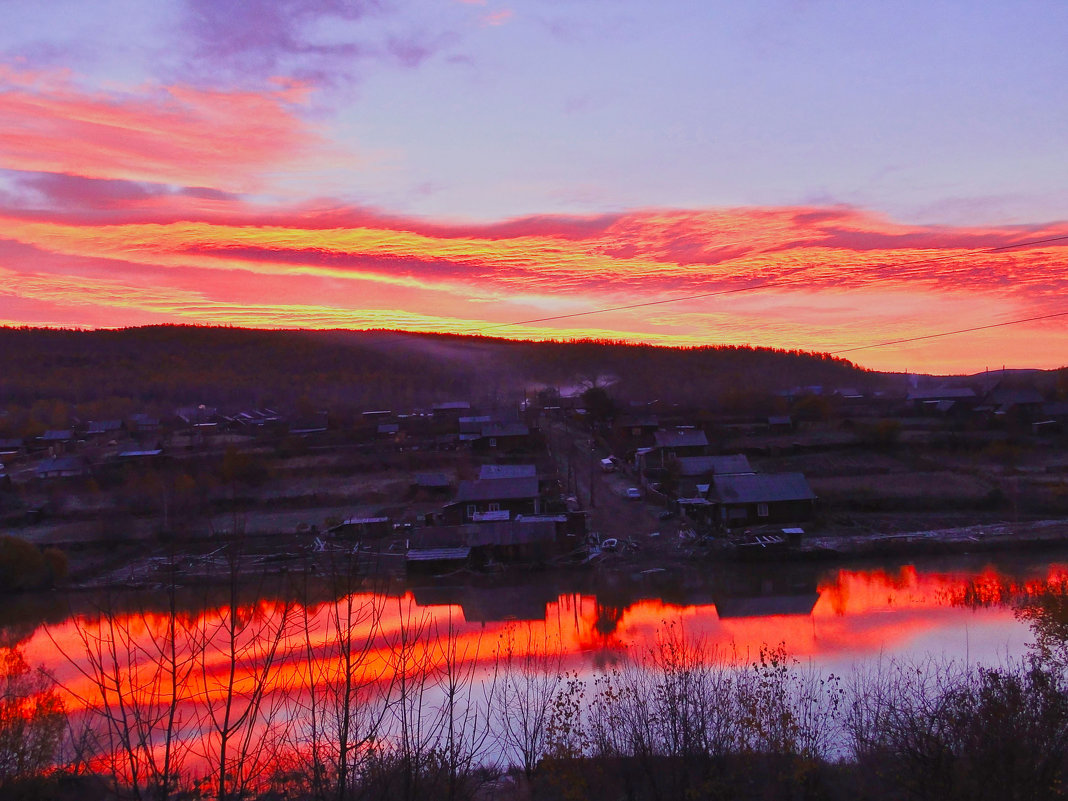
<point x="549" y="478"/>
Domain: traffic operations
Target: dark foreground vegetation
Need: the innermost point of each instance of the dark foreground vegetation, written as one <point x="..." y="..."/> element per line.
<point x="369" y="698"/>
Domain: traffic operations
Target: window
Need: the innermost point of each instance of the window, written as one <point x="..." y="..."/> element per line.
<point x="472" y="510"/>
<point x="494" y="507"/>
<point x="493" y="442"/>
<point x="762" y="510"/>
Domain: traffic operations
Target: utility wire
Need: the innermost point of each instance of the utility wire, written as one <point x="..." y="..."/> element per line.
<point x="949" y="333"/>
<point x="1026" y="244"/>
<point x="634" y="305"/>
<point x="766" y="284"/>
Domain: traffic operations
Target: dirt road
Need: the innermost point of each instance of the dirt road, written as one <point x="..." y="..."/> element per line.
<point x="612" y="514"/>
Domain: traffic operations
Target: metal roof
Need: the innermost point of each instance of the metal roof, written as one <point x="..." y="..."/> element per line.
<point x="686" y="438"/>
<point x="505" y="430"/>
<point x="942" y="393"/>
<point x="436" y="554"/>
<point x="1014" y="396"/>
<point x="498" y="489"/>
<point x="510" y="532"/>
<point x="104" y="426"/>
<point x="62" y="464"/>
<point x="719" y="465"/>
<point x="763" y="488"/>
<point x="636" y="421"/>
<point x="432" y="480"/>
<point x="498" y="471"/>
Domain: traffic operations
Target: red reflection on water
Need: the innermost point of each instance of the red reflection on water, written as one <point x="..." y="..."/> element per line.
<point x="853" y="614"/>
<point x="848" y="611"/>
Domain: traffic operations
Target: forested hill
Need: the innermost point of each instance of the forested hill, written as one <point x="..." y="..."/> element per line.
<point x="165" y="366"/>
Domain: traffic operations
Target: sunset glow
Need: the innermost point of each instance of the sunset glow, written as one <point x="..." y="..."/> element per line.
<point x="322" y="166"/>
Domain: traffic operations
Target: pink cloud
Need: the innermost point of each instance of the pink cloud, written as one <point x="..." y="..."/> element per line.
<point x="169" y="134"/>
<point x="495" y="18"/>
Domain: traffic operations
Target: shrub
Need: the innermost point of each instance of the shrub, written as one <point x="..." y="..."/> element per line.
<point x="22" y="566"/>
<point x="56" y="561"/>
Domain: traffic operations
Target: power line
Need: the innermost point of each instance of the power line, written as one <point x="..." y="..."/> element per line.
<point x="949" y="333"/>
<point x="765" y="285"/>
<point x="1026" y="244"/>
<point x="633" y="305"/>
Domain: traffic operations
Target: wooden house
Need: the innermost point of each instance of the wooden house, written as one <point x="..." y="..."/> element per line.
<point x="745" y="500"/>
<point x="517" y="496"/>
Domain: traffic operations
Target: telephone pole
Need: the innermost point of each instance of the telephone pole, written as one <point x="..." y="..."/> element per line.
<point x="593" y="477"/>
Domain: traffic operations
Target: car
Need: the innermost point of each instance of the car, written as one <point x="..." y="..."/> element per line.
<point x="633" y="493"/>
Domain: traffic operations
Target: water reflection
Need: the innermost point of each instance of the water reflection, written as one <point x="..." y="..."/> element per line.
<point x="230" y="675"/>
<point x="818" y="611"/>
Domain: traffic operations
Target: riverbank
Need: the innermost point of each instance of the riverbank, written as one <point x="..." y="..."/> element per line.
<point x="105" y="563"/>
<point x="1033" y="535"/>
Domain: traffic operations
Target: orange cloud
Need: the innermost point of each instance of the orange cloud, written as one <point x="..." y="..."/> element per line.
<point x="821" y="279"/>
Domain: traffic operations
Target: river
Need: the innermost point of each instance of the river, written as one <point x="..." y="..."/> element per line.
<point x="258" y="667"/>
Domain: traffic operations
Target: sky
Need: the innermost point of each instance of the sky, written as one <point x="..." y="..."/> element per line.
<point x="809" y="174"/>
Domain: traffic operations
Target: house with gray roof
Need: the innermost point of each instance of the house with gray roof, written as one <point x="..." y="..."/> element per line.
<point x="681" y="442"/>
<point x="517" y="496"/>
<point x="103" y="428"/>
<point x="711" y="466"/>
<point x="63" y="467"/>
<point x="760" y="498"/>
<point x="928" y="400"/>
<point x="502" y="437"/>
<point x="695" y="474"/>
<point x="432" y="482"/>
<point x="57" y="436"/>
<point x="497" y="471"/>
<point x="523" y="537"/>
<point x="672" y="444"/>
<point x="471" y="426"/>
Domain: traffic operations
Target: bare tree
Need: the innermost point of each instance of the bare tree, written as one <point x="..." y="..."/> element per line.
<point x="340" y="702"/>
<point x="401" y="768"/>
<point x="465" y="718"/>
<point x="527" y="672"/>
<point x="31" y="719"/>
<point x="240" y="652"/>
<point x="137" y="666"/>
